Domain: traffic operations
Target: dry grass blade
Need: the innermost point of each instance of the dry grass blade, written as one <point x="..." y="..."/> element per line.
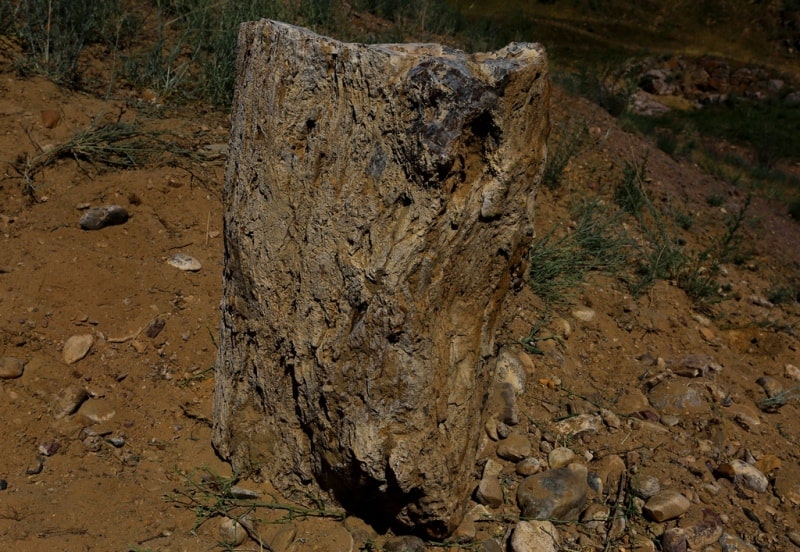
<point x="214" y="496"/>
<point x="117" y="145"/>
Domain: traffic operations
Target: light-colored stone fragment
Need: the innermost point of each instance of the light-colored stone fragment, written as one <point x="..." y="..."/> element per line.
<point x="77" y="347"/>
<point x="514" y="448"/>
<point x="576" y="425"/>
<point x="744" y="474"/>
<point x="665" y="505"/>
<point x="11" y="367"/>
<point x="560" y="457"/>
<point x="535" y="536"/>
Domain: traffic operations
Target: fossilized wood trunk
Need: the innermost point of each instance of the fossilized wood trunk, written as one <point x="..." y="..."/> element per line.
<point x="377" y="201"/>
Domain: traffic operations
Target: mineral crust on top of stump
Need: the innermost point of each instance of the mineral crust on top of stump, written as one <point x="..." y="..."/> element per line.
<point x="378" y="203"/>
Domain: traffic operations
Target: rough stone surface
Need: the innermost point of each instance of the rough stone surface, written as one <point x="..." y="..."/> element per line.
<point x="665" y="505"/>
<point x="535" y="536"/>
<point x="514" y="448"/>
<point x="677" y="396"/>
<point x="360" y="299"/>
<point x="744" y="474"/>
<point x="77" y="347"/>
<point x="560" y="457"/>
<point x="732" y="543"/>
<point x="554" y="494"/>
<point x="11" y="367"/>
<point x="404" y="543"/>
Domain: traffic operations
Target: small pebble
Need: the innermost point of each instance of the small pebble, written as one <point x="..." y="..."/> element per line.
<point x="503" y="430"/>
<point x="184" y="262"/>
<point x="792" y="372"/>
<point x="744" y="474"/>
<point x="69" y="400"/>
<point x="794" y="536"/>
<point x="11" y="367"/>
<point x="771" y="386"/>
<point x="539" y="536"/>
<point x="35" y="468"/>
<point x="666" y="505"/>
<point x="100" y="217"/>
<point x="645" y="486"/>
<point x="49" y="448"/>
<point x="528" y="466"/>
<point x="514" y="448"/>
<point x="116" y="442"/>
<point x="404" y="543"/>
<point x="560" y="457"/>
<point x="584" y="314"/>
<point x="559" y="494"/>
<point x="231" y="532"/>
<point x="77" y="347"/>
<point x="3" y="484"/>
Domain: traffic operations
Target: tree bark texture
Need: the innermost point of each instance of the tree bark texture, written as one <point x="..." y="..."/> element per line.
<point x="377" y="200"/>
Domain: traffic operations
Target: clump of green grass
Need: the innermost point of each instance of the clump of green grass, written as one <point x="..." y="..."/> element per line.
<point x="630" y="194"/>
<point x="566" y="142"/>
<point x="596" y="244"/>
<point x="55" y="32"/>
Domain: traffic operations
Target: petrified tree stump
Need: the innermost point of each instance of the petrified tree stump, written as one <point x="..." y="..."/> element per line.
<point x="377" y="200"/>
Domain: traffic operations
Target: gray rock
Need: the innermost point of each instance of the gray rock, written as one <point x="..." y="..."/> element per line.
<point x="503" y="430"/>
<point x="528" y="466"/>
<point x="554" y="494"/>
<point x="560" y="457"/>
<point x="184" y="262"/>
<point x="342" y="218"/>
<point x="705" y="532"/>
<point x="771" y="386"/>
<point x="510" y="370"/>
<point x="96" y="411"/>
<point x="491" y="545"/>
<point x="744" y="474"/>
<point x="11" y="367"/>
<point x="77" y="347"/>
<point x="283" y="539"/>
<point x="610" y="419"/>
<point x="645" y="486"/>
<point x="404" y="543"/>
<point x="231" y="532"/>
<point x="509" y="412"/>
<point x="468" y="529"/>
<point x="665" y="505"/>
<point x="676" y="396"/>
<point x="100" y="217"/>
<point x="609" y="470"/>
<point x="575" y="425"/>
<point x="732" y="543"/>
<point x="489" y="492"/>
<point x="535" y="536"/>
<point x="674" y="540"/>
<point x="68" y="401"/>
<point x="514" y="448"/>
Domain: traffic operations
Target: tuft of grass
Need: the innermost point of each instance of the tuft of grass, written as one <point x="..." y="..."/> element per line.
<point x="557" y="264"/>
<point x="210" y="495"/>
<point x="715" y="200"/>
<point x="55" y="32"/>
<point x="567" y="142"/>
<point x="115" y="144"/>
<point x="630" y="194"/>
